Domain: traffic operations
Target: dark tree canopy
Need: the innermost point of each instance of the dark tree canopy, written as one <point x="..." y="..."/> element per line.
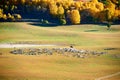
<point x="57" y="10"/>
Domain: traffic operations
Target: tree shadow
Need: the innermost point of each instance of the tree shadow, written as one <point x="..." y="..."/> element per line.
<point x="111" y="48"/>
<point x="43" y="25"/>
<point x="102" y="24"/>
<point x="30" y="20"/>
<point x="93" y="30"/>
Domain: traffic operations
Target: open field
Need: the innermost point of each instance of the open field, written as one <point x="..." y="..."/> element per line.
<point x="57" y="67"/>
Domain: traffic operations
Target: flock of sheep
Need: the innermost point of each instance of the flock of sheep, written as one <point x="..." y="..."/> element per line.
<point x="61" y="51"/>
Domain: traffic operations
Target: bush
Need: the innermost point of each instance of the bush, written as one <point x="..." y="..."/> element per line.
<point x="45" y="22"/>
<point x="62" y="21"/>
<point x="4" y="17"/>
<point x="108" y="25"/>
<point x="10" y="17"/>
<point x="42" y="20"/>
<point x="17" y="16"/>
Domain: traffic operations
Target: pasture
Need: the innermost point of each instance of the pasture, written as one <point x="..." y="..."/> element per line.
<point x="58" y="67"/>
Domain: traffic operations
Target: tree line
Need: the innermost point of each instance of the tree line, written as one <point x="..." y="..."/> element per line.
<point x="62" y="11"/>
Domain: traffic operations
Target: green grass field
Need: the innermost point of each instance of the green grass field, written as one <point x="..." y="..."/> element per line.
<point x="56" y="67"/>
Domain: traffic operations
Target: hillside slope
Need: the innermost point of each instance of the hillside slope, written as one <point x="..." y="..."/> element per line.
<point x="81" y="35"/>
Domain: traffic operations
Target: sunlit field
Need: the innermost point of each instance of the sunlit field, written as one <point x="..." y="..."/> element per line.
<point x="59" y="67"/>
<point x="79" y="35"/>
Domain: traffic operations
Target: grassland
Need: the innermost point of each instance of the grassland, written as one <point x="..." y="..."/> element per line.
<point x="83" y="35"/>
<point x="91" y="37"/>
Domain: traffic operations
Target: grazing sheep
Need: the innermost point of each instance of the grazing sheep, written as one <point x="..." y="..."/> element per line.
<point x="49" y="52"/>
<point x="74" y="54"/>
<point x="45" y="50"/>
<point x="31" y="51"/>
<point x="54" y="49"/>
<point x="78" y="55"/>
<point x="93" y="52"/>
<point x="61" y="51"/>
<point x="64" y="51"/>
<point x="82" y="51"/>
<point x="19" y="51"/>
<point x="13" y="52"/>
<point x="39" y="51"/>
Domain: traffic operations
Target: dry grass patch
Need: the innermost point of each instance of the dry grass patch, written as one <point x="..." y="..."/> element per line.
<point x="55" y="67"/>
<point x="58" y="67"/>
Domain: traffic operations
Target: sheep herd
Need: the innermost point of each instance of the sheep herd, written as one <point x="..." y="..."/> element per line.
<point x="79" y="53"/>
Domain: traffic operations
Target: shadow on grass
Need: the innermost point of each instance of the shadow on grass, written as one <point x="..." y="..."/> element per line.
<point x="111" y="48"/>
<point x="43" y="25"/>
<point x="91" y="30"/>
<point x="30" y="20"/>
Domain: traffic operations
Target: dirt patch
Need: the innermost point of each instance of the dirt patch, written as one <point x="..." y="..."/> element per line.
<point x="24" y="45"/>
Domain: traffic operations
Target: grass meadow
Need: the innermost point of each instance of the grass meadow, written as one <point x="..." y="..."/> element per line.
<point x="58" y="67"/>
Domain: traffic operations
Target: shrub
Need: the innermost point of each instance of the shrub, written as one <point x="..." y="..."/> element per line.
<point x="42" y="20"/>
<point x="108" y="25"/>
<point x="62" y="21"/>
<point x="17" y="16"/>
<point x="10" y="17"/>
<point x="45" y="22"/>
<point x="4" y="17"/>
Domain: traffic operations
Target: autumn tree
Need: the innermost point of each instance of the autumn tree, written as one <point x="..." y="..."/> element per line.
<point x="108" y="17"/>
<point x="74" y="16"/>
<point x="110" y="10"/>
<point x="53" y="9"/>
<point x="60" y="12"/>
<point x="1" y="15"/>
<point x="99" y="6"/>
<point x="116" y="17"/>
<point x="78" y="4"/>
<point x="95" y="1"/>
<point x="67" y="3"/>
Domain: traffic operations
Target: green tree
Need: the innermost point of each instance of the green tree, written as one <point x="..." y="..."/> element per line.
<point x="62" y="21"/>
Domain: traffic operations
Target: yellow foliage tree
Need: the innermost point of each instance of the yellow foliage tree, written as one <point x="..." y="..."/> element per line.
<point x="99" y="6"/>
<point x="67" y="3"/>
<point x="4" y="16"/>
<point x="92" y="5"/>
<point x="111" y="8"/>
<point x="23" y="1"/>
<point x="60" y="10"/>
<point x="94" y="1"/>
<point x="117" y="13"/>
<point x="1" y="13"/>
<point x="74" y="16"/>
<point x="78" y="4"/>
<point x="53" y="9"/>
